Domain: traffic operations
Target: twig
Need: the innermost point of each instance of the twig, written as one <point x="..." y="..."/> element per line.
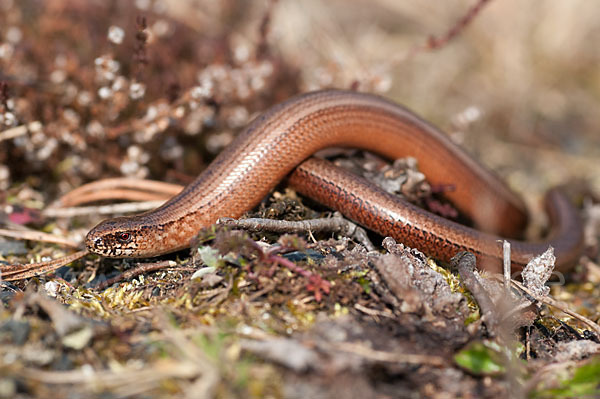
<point x="140" y="56"/>
<point x="141" y="268"/>
<point x="4" y="96"/>
<point x="435" y="43"/>
<point x="506" y="269"/>
<point x="334" y="224"/>
<point x="262" y="49"/>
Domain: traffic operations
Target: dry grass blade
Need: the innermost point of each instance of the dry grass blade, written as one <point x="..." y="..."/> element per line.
<point x="115" y="194"/>
<point x="20" y="272"/>
<point x="112" y="209"/>
<point x="38" y="236"/>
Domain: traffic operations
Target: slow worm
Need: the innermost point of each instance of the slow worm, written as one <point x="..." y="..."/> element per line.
<point x="284" y="137"/>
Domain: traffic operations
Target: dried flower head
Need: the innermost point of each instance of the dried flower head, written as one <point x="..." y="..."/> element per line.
<point x="116" y="34"/>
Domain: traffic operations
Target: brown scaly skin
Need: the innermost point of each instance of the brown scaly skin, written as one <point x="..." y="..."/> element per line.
<point x="392" y="216"/>
<point x="284" y="136"/>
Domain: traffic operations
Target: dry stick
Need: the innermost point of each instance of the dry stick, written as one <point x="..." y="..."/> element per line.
<point x="506" y="269"/>
<point x="120" y="182"/>
<point x="38" y="236"/>
<point x="141" y="268"/>
<point x="435" y="43"/>
<point x="20" y="272"/>
<point x="262" y="48"/>
<point x="334" y="224"/>
<point x="466" y="263"/>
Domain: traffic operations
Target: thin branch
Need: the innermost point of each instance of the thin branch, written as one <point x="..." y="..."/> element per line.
<point x="435" y="43"/>
<point x="438" y="42"/>
<point x="141" y="268"/>
<point x="262" y="48"/>
<point x="334" y="225"/>
<point x="506" y="254"/>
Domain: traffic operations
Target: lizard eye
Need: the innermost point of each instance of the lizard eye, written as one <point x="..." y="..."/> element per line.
<point x="124" y="237"/>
